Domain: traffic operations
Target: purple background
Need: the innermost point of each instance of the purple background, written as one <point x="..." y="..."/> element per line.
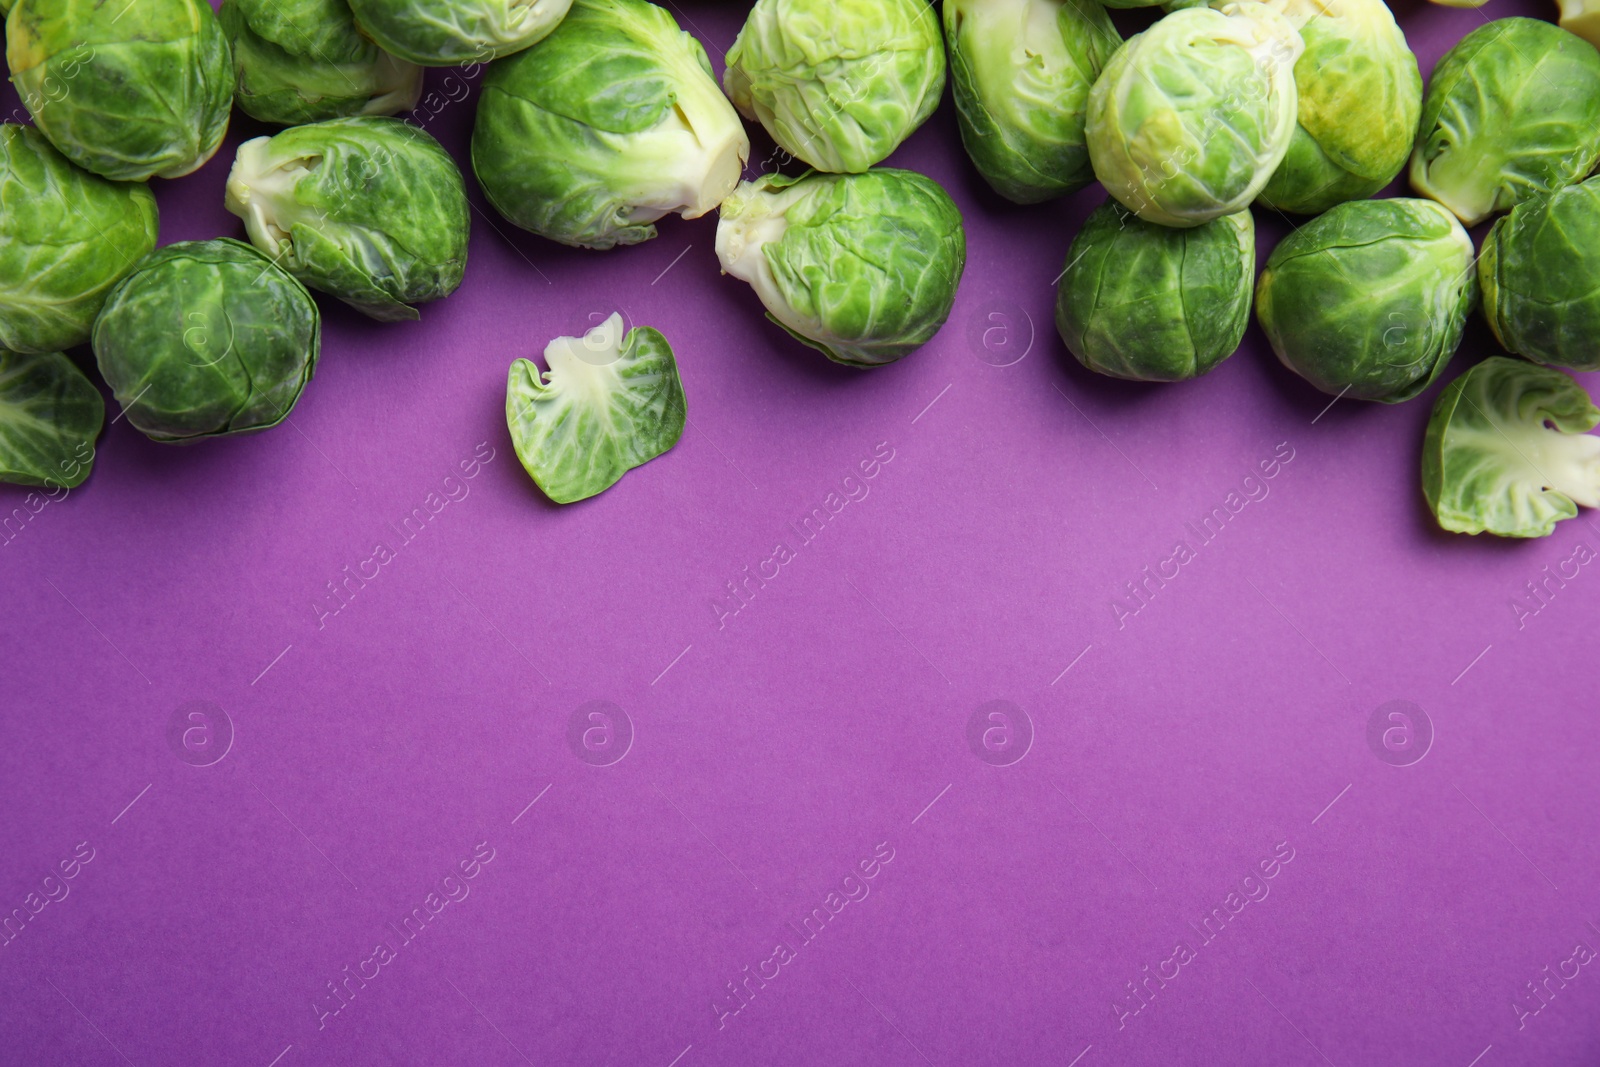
<point x="373" y="752"/>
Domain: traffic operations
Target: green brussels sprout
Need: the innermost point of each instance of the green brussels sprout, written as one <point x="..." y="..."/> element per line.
<point x="304" y="61"/>
<point x="448" y="33"/>
<point x="66" y="237"/>
<point x="1191" y="117"/>
<point x="50" y="414"/>
<point x="608" y="403"/>
<point x="605" y="126"/>
<point x="1369" y="299"/>
<point x="1508" y="451"/>
<point x="1360" y="95"/>
<point x="1540" y="275"/>
<point x="1021" y="71"/>
<point x="1512" y="112"/>
<point x="837" y="83"/>
<point x="370" y="210"/>
<point x="1581" y="17"/>
<point x="861" y="267"/>
<point x="1155" y="303"/>
<point x="207" y="339"/>
<point x="128" y="91"/>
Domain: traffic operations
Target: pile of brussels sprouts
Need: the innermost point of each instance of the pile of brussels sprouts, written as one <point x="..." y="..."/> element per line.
<point x="599" y="117"/>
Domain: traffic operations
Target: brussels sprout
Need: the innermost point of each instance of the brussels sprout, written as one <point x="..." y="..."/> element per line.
<point x="1581" y="17"/>
<point x="861" y="267"/>
<point x="130" y="90"/>
<point x="304" y="61"/>
<point x="605" y="126"/>
<point x="1021" y="70"/>
<point x="608" y="403"/>
<point x="448" y="33"/>
<point x="1360" y="94"/>
<point x="1369" y="299"/>
<point x="50" y="414"/>
<point x="206" y="339"/>
<point x="1540" y="275"/>
<point x="1507" y="451"/>
<point x="1191" y="117"/>
<point x="837" y="83"/>
<point x="66" y="237"/>
<point x="1154" y="303"/>
<point x="371" y="210"/>
<point x="1512" y="112"/>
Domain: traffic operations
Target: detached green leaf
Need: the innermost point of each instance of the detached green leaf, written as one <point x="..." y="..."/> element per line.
<point x="50" y="414"/>
<point x="608" y="403"/>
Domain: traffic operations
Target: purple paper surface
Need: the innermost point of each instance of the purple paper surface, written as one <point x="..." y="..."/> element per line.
<point x="795" y="832"/>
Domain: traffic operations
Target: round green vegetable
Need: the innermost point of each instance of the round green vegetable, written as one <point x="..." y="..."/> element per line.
<point x="838" y="83"/>
<point x="1512" y="112"/>
<point x="1360" y="95"/>
<point x="448" y="33"/>
<point x="128" y="90"/>
<point x="1540" y="274"/>
<point x="371" y="210"/>
<point x="206" y="339"/>
<point x="1021" y="70"/>
<point x="1191" y="117"/>
<point x="304" y="61"/>
<point x="1155" y="303"/>
<point x="66" y="237"/>
<point x="862" y="267"/>
<point x="50" y="414"/>
<point x="1369" y="299"/>
<point x="605" y="126"/>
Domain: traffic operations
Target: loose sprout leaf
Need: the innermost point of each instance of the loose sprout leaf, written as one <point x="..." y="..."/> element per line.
<point x="607" y="404"/>
<point x="50" y="414"/>
<point x="1508" y="451"/>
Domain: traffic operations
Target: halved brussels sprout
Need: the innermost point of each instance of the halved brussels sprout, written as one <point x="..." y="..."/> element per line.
<point x="1360" y="96"/>
<point x="1369" y="299"/>
<point x="1581" y="17"/>
<point x="837" y="83"/>
<point x="66" y="237"/>
<point x="369" y="209"/>
<point x="861" y="267"/>
<point x="207" y="339"/>
<point x="607" y="404"/>
<point x="449" y="33"/>
<point x="1191" y="117"/>
<point x="1155" y="303"/>
<point x="1508" y="451"/>
<point x="1540" y="273"/>
<point x="605" y="126"/>
<point x="50" y="414"/>
<point x="128" y="91"/>
<point x="1021" y="70"/>
<point x="1512" y="112"/>
<point x="304" y="61"/>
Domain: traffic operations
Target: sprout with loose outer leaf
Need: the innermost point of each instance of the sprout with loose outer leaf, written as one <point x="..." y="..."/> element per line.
<point x="1540" y="274"/>
<point x="369" y="209"/>
<point x="608" y="124"/>
<point x="207" y="339"/>
<point x="128" y="91"/>
<point x="50" y="414"/>
<point x="608" y="403"/>
<point x="1507" y="451"/>
<point x="1156" y="303"/>
<point x="1512" y="113"/>
<point x="449" y="33"/>
<point x="838" y="83"/>
<point x="1369" y="299"/>
<point x="1360" y="94"/>
<point x="304" y="61"/>
<point x="1021" y="70"/>
<point x="66" y="237"/>
<point x="1191" y="117"/>
<point x="861" y="267"/>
